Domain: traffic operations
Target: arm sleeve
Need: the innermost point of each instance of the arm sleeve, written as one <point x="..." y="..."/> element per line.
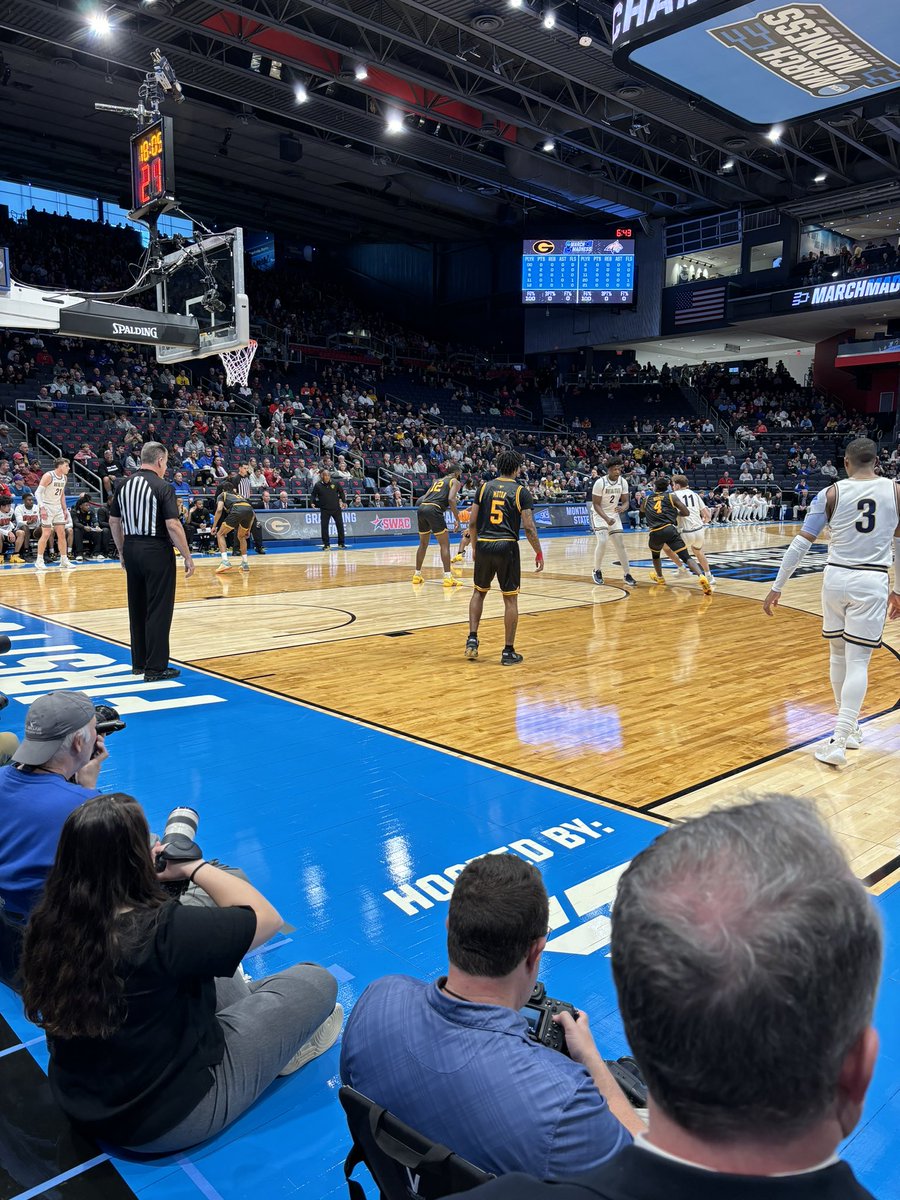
<point x="586" y="1134"/>
<point x="196" y="942"/>
<point x="793" y="556"/>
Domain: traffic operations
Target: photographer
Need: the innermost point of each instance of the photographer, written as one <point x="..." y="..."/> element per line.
<point x="454" y="1058"/>
<point x="54" y="769"/>
<point x="154" y="1044"/>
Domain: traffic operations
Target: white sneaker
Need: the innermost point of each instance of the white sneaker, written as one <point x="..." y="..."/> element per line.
<point x="40" y="565"/>
<point x="854" y="739"/>
<point x="833" y="754"/>
<point x="68" y="564"/>
<point x="79" y="558"/>
<point x="323" y="1039"/>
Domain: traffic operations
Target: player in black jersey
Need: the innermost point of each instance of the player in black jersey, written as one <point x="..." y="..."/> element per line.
<point x="661" y="511"/>
<point x="440" y="496"/>
<point x="235" y="514"/>
<point x="501" y="507"/>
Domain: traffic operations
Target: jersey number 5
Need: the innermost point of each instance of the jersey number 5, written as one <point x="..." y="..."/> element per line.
<point x="496" y="517"/>
<point x="866" y="522"/>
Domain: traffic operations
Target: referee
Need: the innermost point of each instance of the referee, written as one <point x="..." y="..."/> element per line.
<point x="143" y="519"/>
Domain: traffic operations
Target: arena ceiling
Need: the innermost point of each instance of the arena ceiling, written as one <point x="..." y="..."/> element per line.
<point x="496" y="118"/>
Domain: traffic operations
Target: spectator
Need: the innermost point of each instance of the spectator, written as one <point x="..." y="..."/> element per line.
<point x="828" y="469"/>
<point x="453" y="1058"/>
<point x="725" y="480"/>
<point x="722" y="930"/>
<point x="160" y="1044"/>
<point x="54" y="769"/>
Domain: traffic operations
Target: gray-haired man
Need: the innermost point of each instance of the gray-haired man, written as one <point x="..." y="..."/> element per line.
<point x="746" y="958"/>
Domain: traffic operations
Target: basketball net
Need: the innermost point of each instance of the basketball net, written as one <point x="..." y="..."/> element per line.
<point x="237" y="364"/>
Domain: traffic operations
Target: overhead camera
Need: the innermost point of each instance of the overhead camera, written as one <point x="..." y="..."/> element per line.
<point x="166" y="77"/>
<point x="212" y="302"/>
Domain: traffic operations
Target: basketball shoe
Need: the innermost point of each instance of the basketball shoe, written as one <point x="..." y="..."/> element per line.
<point x="450" y="581"/>
<point x="598" y="578"/>
<point x="417" y="578"/>
<point x="509" y="658"/>
<point x="223" y="567"/>
<point x="471" y="647"/>
<point x="833" y="753"/>
<point x="855" y="737"/>
<point x="705" y="585"/>
<point x="654" y="578"/>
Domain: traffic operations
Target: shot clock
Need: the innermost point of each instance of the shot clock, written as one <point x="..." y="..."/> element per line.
<point x="152" y="168"/>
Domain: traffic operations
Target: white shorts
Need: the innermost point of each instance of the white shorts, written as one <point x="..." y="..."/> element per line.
<point x="854" y="605"/>
<point x="693" y="538"/>
<point x="55" y="516"/>
<point x="599" y="526"/>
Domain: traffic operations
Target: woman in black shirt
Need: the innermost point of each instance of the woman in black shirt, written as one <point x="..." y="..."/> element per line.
<point x="139" y="995"/>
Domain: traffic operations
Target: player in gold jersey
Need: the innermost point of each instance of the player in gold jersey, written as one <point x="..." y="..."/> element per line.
<point x="439" y="497"/>
<point x="501" y="508"/>
<point x="661" y="511"/>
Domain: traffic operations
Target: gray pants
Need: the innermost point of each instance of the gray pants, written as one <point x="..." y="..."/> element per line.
<point x="265" y="1024"/>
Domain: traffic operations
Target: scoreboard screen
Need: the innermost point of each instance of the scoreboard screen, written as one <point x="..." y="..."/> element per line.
<point x="582" y="271"/>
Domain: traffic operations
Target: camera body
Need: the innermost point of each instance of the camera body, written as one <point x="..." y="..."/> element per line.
<point x="539" y="1013"/>
<point x="108" y="720"/>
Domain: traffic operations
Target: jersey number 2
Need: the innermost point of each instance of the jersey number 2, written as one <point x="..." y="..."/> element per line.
<point x="866" y="522"/>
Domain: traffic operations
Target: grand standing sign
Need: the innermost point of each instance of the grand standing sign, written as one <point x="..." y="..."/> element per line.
<point x="304" y="524"/>
<point x="760" y="62"/>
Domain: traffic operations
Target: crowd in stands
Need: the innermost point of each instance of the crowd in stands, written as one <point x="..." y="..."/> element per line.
<point x="875" y="258"/>
<point x="386" y="426"/>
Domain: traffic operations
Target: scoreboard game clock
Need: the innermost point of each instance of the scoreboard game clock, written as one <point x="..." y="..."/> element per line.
<point x="579" y="270"/>
<point x="759" y="61"/>
<point x="152" y="168"/>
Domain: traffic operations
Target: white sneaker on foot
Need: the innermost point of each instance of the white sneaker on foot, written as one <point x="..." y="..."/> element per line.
<point x="854" y="739"/>
<point x="40" y="565"/>
<point x="323" y="1039"/>
<point x="833" y="754"/>
<point x="68" y="564"/>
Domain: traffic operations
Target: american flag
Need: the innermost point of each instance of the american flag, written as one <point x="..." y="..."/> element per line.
<point x="694" y="305"/>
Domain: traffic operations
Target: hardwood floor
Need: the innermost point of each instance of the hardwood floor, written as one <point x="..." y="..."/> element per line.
<point x="661" y="699"/>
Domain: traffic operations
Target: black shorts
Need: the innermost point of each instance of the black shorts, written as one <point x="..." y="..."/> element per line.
<point x="431" y="520"/>
<point x="668" y="536"/>
<point x="500" y="559"/>
<point x="239" y="518"/>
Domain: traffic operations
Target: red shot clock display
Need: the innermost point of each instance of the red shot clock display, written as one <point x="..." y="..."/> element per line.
<point x="152" y="168"/>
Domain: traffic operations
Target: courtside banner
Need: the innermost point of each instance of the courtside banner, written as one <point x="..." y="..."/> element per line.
<point x="304" y="524"/>
<point x="761" y="62"/>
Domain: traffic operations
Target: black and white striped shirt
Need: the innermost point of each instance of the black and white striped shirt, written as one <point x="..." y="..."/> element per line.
<point x="244" y="487"/>
<point x="143" y="504"/>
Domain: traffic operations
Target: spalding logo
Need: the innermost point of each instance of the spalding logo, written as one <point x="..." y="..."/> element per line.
<point x="135" y="330"/>
<point x="543" y="247"/>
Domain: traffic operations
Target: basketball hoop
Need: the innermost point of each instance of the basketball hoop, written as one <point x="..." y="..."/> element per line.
<point x="237" y="363"/>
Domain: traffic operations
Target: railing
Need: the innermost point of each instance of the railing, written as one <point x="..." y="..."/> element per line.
<point x="387" y="477"/>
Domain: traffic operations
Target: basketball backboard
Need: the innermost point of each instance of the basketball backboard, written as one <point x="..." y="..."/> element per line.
<point x="205" y="280"/>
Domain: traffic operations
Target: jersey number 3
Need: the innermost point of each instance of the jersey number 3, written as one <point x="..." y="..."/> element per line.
<point x="866" y="522"/>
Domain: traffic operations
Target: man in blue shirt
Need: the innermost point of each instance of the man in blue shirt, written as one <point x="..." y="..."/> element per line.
<point x="242" y="441"/>
<point x="60" y="744"/>
<point x="181" y="486"/>
<point x="453" y="1059"/>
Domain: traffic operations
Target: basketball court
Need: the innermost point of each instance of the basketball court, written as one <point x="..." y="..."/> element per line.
<point x="342" y="751"/>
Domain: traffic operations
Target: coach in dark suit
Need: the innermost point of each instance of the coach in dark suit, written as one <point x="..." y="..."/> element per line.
<point x="746" y="957"/>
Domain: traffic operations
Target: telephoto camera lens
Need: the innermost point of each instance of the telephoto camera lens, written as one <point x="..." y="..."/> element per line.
<point x="178" y="838"/>
<point x="181" y="822"/>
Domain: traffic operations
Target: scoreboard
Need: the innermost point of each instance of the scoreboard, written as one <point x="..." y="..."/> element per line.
<point x="582" y="271"/>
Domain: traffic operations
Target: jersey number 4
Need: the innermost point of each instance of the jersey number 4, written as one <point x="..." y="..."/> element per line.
<point x="866" y="522"/>
<point x="496" y="516"/>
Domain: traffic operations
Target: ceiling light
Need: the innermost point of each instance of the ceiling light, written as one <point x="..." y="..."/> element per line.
<point x="394" y="121"/>
<point x="585" y="39"/>
<point x="301" y="95"/>
<point x="774" y="134"/>
<point x="549" y="146"/>
<point x="820" y="178"/>
<point x="728" y="164"/>
<point x="516" y="3"/>
<point x="549" y="19"/>
<point x="100" y="23"/>
<point x="360" y="72"/>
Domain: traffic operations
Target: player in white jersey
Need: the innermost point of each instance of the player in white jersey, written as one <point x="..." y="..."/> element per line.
<point x="51" y="497"/>
<point x="609" y="499"/>
<point x="692" y="526"/>
<point x="863" y="512"/>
